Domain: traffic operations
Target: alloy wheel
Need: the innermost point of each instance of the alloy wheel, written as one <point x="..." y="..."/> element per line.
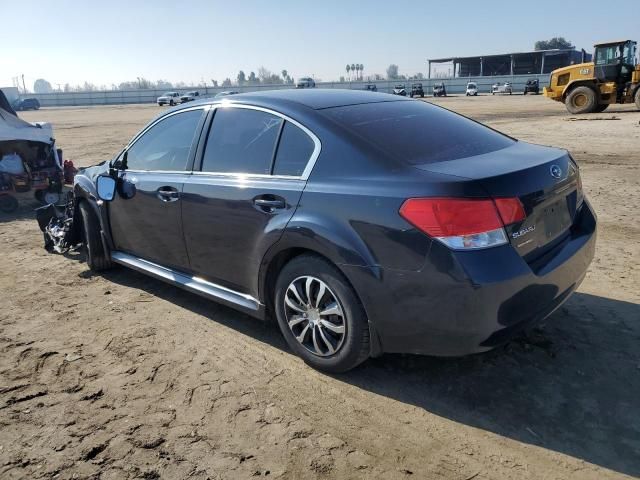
<point x="314" y="316"/>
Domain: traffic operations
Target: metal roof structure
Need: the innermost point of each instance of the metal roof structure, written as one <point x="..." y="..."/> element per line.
<point x="513" y="63"/>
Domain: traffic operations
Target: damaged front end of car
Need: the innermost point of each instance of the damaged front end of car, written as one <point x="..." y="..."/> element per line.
<point x="61" y="232"/>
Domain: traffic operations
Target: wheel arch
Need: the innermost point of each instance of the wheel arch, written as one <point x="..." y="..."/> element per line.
<point x="277" y="258"/>
<point x="84" y="191"/>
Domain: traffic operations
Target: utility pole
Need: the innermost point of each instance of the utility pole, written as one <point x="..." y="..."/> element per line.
<point x="24" y="89"/>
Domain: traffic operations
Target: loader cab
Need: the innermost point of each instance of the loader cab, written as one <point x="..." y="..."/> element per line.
<point x="615" y="61"/>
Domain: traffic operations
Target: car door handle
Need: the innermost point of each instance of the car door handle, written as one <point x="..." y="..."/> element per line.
<point x="269" y="204"/>
<point x="168" y="194"/>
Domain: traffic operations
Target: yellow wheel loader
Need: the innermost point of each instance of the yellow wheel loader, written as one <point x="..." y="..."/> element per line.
<point x="612" y="77"/>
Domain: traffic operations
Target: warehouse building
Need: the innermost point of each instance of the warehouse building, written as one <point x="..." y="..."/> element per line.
<point x="538" y="62"/>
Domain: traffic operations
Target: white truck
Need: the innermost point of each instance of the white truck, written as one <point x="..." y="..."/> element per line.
<point x="169" y="98"/>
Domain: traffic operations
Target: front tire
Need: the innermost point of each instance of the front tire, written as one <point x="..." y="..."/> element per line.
<point x="637" y="98"/>
<point x="320" y="316"/>
<point x="581" y="100"/>
<point x="97" y="260"/>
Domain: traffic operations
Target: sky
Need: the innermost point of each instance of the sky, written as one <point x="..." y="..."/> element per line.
<point x="106" y="43"/>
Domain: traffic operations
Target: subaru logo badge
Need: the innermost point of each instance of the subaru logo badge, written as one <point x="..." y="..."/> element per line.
<point x="556" y="171"/>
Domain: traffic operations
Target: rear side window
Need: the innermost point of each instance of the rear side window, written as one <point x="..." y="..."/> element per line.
<point x="294" y="151"/>
<point x="165" y="146"/>
<point x="241" y="141"/>
<point x="417" y="132"/>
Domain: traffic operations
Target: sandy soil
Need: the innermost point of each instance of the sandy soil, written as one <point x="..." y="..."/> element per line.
<point x="121" y="376"/>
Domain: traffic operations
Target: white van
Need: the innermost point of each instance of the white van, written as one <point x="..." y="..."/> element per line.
<point x="472" y="89"/>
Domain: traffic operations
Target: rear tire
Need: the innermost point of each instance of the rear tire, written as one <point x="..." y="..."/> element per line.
<point x="93" y="248"/>
<point x="342" y="345"/>
<point x="637" y="98"/>
<point x="581" y="100"/>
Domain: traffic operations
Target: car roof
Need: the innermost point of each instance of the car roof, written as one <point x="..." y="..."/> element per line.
<point x="316" y="99"/>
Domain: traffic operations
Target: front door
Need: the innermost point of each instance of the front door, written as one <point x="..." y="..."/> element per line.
<point x="146" y="214"/>
<point x="253" y="171"/>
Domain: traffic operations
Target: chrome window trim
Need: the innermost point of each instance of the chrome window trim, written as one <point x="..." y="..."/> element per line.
<point x="161" y="172"/>
<point x="248" y="175"/>
<point x="317" y="145"/>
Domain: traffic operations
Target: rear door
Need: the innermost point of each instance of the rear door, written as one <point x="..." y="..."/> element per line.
<point x="146" y="213"/>
<point x="253" y="168"/>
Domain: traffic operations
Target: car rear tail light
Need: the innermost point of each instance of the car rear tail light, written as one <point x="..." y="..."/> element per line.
<point x="510" y="209"/>
<point x="463" y="223"/>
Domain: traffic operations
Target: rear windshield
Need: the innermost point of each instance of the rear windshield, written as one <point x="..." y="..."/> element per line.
<point x="417" y="132"/>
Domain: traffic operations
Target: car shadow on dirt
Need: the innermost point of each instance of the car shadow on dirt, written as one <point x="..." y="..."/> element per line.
<point x="572" y="385"/>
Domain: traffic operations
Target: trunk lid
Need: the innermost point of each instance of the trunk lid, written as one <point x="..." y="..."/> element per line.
<point x="545" y="179"/>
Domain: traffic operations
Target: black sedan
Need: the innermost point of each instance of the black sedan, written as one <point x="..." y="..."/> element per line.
<point x="365" y="223"/>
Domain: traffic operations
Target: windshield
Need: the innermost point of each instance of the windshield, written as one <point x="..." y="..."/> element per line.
<point x="608" y="55"/>
<point x="418" y="133"/>
<point x="471" y="85"/>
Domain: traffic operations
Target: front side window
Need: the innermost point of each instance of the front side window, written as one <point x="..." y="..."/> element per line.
<point x="294" y="151"/>
<point x="241" y="141"/>
<point x="166" y="145"/>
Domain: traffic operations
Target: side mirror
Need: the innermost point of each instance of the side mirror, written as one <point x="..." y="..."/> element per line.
<point x="106" y="187"/>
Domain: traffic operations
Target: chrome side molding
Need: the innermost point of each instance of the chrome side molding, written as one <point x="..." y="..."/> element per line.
<point x="193" y="284"/>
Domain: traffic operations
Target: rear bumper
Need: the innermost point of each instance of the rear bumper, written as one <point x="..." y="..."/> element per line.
<point x="467" y="302"/>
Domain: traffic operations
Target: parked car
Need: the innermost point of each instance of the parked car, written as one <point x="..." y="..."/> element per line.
<point x="416" y="90"/>
<point x="371" y="87"/>
<point x="501" y="88"/>
<point x="189" y="96"/>
<point x="26" y="104"/>
<point x="532" y="86"/>
<point x="400" y="89"/>
<point x="433" y="212"/>
<point x="169" y="98"/>
<point x="306" y="82"/>
<point x="226" y="93"/>
<point x="439" y="90"/>
<point x="472" y="89"/>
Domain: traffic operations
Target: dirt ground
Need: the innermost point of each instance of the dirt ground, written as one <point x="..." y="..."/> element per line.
<point x="121" y="376"/>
